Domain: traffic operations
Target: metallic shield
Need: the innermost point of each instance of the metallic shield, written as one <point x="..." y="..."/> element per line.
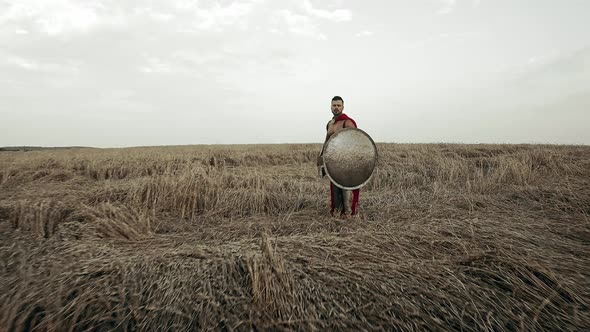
<point x="350" y="157"/>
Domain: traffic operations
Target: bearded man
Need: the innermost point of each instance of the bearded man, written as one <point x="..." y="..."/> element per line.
<point x="340" y="200"/>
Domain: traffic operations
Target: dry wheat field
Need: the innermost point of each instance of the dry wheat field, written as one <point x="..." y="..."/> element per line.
<point x="224" y="238"/>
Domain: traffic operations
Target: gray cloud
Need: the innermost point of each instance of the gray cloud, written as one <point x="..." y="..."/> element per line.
<point x="112" y="73"/>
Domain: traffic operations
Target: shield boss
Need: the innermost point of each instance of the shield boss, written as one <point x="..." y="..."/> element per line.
<point x="350" y="157"/>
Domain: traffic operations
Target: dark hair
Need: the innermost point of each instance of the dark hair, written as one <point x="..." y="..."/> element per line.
<point x="338" y="98"/>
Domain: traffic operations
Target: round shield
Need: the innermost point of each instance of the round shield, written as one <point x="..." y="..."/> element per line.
<point x="350" y="157"/>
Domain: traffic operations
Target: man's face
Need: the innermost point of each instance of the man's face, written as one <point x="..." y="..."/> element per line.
<point x="337" y="107"/>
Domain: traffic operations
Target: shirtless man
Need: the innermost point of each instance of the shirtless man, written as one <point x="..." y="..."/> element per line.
<point x="340" y="198"/>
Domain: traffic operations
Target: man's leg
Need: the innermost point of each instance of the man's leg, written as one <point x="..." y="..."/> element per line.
<point x="336" y="197"/>
<point x="355" y="201"/>
<point x="332" y="203"/>
<point x="340" y="199"/>
<point x="347" y="208"/>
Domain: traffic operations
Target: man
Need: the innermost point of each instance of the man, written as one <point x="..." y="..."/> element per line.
<point x="340" y="198"/>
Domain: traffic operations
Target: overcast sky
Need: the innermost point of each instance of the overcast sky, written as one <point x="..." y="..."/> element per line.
<point x="110" y="73"/>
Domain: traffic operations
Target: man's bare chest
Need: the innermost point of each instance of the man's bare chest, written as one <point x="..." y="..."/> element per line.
<point x="333" y="127"/>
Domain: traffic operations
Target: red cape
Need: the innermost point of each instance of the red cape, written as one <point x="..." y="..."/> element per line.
<point x="343" y="117"/>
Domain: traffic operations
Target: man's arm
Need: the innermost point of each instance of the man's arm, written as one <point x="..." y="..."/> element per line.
<point x="320" y="159"/>
<point x="349" y="124"/>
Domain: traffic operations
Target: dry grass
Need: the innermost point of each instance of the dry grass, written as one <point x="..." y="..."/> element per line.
<point x="450" y="237"/>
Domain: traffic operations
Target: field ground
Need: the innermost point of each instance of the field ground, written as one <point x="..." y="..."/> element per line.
<point x="449" y="237"/>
